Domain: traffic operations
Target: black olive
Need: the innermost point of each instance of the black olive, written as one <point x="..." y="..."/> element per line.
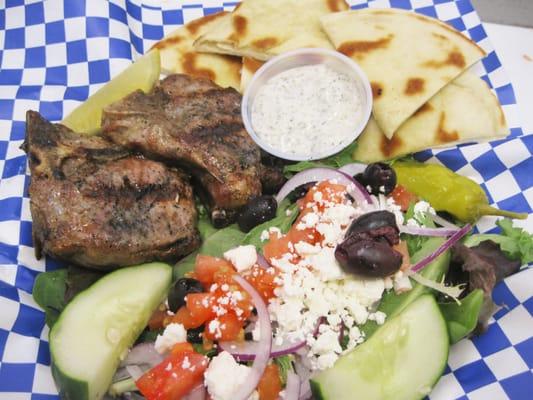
<point x="194" y="335"/>
<point x="368" y="258"/>
<point x="177" y="293"/>
<point x="380" y="177"/>
<point x="300" y="191"/>
<point x="258" y="210"/>
<point x="375" y="225"/>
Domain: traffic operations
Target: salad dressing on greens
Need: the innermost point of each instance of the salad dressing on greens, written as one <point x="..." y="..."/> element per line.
<point x="306" y="110"/>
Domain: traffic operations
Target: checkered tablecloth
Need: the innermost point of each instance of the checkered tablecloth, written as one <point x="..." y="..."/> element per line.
<point x="54" y="53"/>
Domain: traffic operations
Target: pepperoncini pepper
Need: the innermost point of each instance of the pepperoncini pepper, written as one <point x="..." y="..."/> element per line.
<point x="447" y="191"/>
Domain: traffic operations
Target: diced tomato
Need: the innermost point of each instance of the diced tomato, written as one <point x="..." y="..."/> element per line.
<point x="157" y="320"/>
<point x="201" y="306"/>
<point x="184" y="317"/>
<point x="403" y="197"/>
<point x="308" y="235"/>
<point x="209" y="269"/>
<point x="270" y="384"/>
<point x="330" y="192"/>
<point x="229" y="327"/>
<point x="176" y="376"/>
<point x="276" y="246"/>
<point x="263" y="281"/>
<point x="182" y="347"/>
<point x="404" y="251"/>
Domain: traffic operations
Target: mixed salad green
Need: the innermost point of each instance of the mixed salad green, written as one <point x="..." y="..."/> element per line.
<point x="382" y="234"/>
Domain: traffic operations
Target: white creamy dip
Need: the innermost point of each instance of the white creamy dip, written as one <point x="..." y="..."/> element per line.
<point x="307" y="110"/>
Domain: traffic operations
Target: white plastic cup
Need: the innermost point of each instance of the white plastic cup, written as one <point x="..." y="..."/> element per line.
<point x="300" y="58"/>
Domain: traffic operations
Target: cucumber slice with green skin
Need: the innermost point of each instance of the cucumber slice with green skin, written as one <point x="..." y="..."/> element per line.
<point x="99" y="325"/>
<point x="402" y="361"/>
<point x="392" y="304"/>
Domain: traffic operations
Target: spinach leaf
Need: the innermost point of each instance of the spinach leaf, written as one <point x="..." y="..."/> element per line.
<point x="49" y="293"/>
<point x="338" y="160"/>
<point x="461" y="319"/>
<point x="516" y="243"/>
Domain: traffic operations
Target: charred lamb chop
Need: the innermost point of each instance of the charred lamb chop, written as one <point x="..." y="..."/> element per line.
<point x="95" y="204"/>
<point x="196" y="124"/>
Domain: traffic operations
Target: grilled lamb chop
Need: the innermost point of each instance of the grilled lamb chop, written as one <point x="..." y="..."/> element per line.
<point x="193" y="123"/>
<point x="95" y="204"/>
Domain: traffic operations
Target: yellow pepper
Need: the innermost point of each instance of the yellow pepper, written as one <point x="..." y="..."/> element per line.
<point x="447" y="191"/>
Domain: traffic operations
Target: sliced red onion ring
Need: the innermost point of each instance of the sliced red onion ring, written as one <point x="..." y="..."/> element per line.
<point x="422" y="231"/>
<point x="354" y="188"/>
<point x="143" y="353"/>
<point x="319" y="321"/>
<point x="442" y="222"/>
<point x="292" y="388"/>
<point x="135" y="371"/>
<point x="445" y="246"/>
<point x="198" y="393"/>
<point x="262" y="261"/>
<point x="353" y="168"/>
<point x="305" y="390"/>
<point x="246" y="351"/>
<point x="265" y="347"/>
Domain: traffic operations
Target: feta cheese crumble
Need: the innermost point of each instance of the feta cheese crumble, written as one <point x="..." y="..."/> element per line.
<point x="242" y="257"/>
<point x="173" y="334"/>
<point x="224" y="376"/>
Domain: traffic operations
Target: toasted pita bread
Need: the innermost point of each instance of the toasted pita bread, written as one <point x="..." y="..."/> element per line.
<point x="465" y="110"/>
<point x="249" y="67"/>
<point x="261" y="29"/>
<point x="179" y="56"/>
<point x="407" y="57"/>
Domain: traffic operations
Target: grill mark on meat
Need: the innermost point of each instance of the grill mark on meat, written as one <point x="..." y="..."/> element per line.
<point x="95" y="204"/>
<point x="194" y="123"/>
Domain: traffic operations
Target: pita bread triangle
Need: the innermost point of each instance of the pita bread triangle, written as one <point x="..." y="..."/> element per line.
<point x="407" y="57"/>
<point x="442" y="121"/>
<point x="179" y="56"/>
<point x="261" y="29"/>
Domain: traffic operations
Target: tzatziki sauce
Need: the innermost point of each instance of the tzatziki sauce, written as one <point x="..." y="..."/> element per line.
<point x="307" y="110"/>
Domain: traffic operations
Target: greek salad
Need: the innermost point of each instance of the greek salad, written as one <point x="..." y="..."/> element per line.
<point x="348" y="284"/>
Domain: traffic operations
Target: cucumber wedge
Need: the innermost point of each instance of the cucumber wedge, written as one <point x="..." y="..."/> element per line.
<point x="402" y="361"/>
<point x="99" y="325"/>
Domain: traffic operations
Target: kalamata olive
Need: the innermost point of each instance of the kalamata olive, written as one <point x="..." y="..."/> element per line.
<point x="257" y="211"/>
<point x="380" y="177"/>
<point x="375" y="225"/>
<point x="194" y="335"/>
<point x="177" y="293"/>
<point x="300" y="191"/>
<point x="368" y="258"/>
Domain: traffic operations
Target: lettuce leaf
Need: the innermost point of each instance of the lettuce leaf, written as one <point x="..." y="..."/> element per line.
<point x="461" y="319"/>
<point x="516" y="243"/>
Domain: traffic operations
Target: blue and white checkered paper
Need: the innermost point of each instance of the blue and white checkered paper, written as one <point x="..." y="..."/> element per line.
<point x="54" y="53"/>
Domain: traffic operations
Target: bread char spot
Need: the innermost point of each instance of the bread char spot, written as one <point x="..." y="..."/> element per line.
<point x="168" y="42"/>
<point x="426" y="107"/>
<point x="196" y="24"/>
<point x="239" y="24"/>
<point x="389" y="147"/>
<point x="377" y="90"/>
<point x="337" y="5"/>
<point x="444" y="136"/>
<point x="251" y="64"/>
<point x="265" y="43"/>
<point x="359" y="48"/>
<point x="439" y="36"/>
<point x="189" y="67"/>
<point x="455" y="59"/>
<point x="414" y="86"/>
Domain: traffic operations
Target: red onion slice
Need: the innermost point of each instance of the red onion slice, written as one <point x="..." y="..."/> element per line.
<point x="353" y="168"/>
<point x="198" y="393"/>
<point x="246" y="351"/>
<point x="305" y="390"/>
<point x="143" y="353"/>
<point x="292" y="388"/>
<point x="442" y="222"/>
<point x="422" y="231"/>
<point x="135" y="371"/>
<point x="445" y="246"/>
<point x="354" y="188"/>
<point x="263" y="352"/>
<point x="262" y="261"/>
